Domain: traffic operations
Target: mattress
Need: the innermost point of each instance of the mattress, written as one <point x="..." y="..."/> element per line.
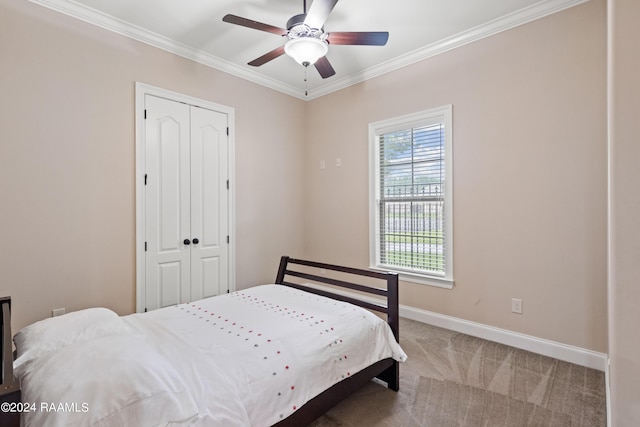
<point x="248" y="358"/>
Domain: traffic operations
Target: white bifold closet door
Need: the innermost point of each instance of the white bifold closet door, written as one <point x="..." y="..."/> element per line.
<point x="186" y="203"/>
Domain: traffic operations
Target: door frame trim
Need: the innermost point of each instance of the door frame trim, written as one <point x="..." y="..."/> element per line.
<point x="141" y="90"/>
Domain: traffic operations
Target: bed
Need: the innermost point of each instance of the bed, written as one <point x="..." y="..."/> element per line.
<point x="277" y="354"/>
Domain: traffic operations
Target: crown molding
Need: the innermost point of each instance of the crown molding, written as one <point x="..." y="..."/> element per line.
<point x="118" y="26"/>
<point x="520" y="17"/>
<point x="504" y="23"/>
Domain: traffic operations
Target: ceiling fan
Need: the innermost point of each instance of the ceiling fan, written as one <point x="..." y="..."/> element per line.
<point x="307" y="43"/>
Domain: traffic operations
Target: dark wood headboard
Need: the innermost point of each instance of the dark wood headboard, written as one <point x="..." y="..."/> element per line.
<point x="388" y="305"/>
<point x="9" y="387"/>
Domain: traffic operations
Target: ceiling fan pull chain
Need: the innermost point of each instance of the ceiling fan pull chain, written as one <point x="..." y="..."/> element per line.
<point x="305" y="80"/>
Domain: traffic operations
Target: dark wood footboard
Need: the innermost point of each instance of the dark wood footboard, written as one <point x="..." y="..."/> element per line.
<point x="9" y="388"/>
<point x="383" y="299"/>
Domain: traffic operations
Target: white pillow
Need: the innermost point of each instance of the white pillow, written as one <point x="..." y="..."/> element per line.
<point x="54" y="333"/>
<point x="117" y="380"/>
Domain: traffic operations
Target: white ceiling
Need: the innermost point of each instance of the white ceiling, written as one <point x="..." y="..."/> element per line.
<point x="417" y="29"/>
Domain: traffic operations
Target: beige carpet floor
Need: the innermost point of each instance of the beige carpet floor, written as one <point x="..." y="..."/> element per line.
<point x="452" y="379"/>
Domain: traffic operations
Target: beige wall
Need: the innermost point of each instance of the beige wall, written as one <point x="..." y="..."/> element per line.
<point x="530" y="175"/>
<point x="529" y="148"/>
<point x="624" y="226"/>
<point x="67" y="202"/>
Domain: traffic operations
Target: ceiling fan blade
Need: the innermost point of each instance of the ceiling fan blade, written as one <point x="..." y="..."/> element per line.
<point x="250" y="23"/>
<point x="371" y="38"/>
<point x="268" y="57"/>
<point x="319" y="12"/>
<point x="324" y="67"/>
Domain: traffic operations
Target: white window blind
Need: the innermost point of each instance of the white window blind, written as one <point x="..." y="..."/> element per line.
<point x="412" y="201"/>
<point x="412" y="198"/>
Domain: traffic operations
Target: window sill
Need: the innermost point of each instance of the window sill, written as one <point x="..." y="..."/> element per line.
<point x="438" y="282"/>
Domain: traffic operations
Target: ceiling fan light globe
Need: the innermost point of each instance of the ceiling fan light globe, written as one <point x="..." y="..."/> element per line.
<point x="306" y="50"/>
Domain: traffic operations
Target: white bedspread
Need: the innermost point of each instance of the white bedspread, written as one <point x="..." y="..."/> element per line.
<point x="251" y="357"/>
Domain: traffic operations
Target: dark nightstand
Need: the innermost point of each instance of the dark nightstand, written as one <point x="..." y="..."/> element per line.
<point x="9" y="386"/>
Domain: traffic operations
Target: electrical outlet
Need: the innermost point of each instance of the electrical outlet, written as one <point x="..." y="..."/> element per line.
<point x="516" y="305"/>
<point x="57" y="312"/>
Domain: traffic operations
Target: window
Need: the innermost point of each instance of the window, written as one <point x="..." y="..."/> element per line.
<point x="411" y="196"/>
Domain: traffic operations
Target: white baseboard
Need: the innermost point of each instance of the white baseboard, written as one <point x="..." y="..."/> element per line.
<point x="608" y="392"/>
<point x="568" y="353"/>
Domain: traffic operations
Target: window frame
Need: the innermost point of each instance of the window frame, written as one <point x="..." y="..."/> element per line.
<point x="442" y="115"/>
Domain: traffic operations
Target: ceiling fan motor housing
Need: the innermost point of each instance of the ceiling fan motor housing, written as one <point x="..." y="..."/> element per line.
<point x="296" y="20"/>
<point x="297" y="29"/>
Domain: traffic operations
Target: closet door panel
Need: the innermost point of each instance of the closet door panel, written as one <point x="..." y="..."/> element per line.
<point x="167" y="203"/>
<point x="209" y="202"/>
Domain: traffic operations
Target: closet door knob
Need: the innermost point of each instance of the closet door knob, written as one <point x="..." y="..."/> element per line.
<point x="196" y="241"/>
<point x="187" y="242"/>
